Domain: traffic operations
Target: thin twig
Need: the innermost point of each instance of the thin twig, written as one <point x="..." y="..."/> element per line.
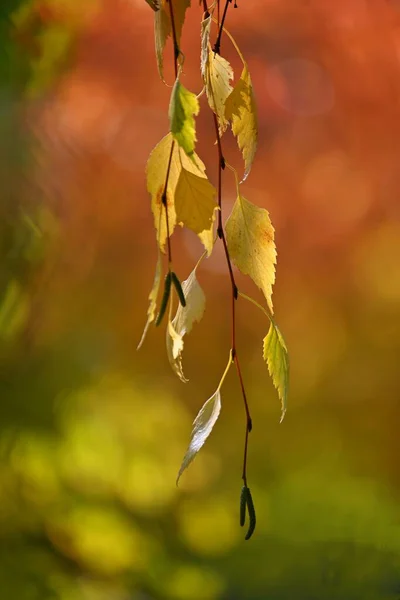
<point x="217" y="45"/>
<point x="164" y="200"/>
<point x="174" y="38"/>
<point x="221" y="235"/>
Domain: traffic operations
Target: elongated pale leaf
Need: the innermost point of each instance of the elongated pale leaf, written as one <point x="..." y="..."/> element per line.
<point x="250" y="239"/>
<point x="183" y="322"/>
<point x="182" y="108"/>
<point x="276" y="356"/>
<point x="195" y="201"/>
<point x="151" y="311"/>
<point x="202" y="427"/>
<point x="156" y="172"/>
<point x="163" y="29"/>
<point x="218" y="76"/>
<point x="205" y="37"/>
<point x="240" y="109"/>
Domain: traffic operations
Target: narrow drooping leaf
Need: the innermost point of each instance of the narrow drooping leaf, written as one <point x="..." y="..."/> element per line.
<point x="202" y="427"/>
<point x="250" y="239"/>
<point x="183" y="322"/>
<point x="156" y="172"/>
<point x="276" y="356"/>
<point x="163" y="29"/>
<point x="205" y="37"/>
<point x="240" y="110"/>
<point x="151" y="311"/>
<point x="195" y="201"/>
<point x="182" y="109"/>
<point x="219" y="73"/>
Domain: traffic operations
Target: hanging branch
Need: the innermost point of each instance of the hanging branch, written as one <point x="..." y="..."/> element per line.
<point x="190" y="200"/>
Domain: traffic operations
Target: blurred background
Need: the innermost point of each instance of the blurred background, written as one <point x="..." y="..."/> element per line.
<point x="92" y="432"/>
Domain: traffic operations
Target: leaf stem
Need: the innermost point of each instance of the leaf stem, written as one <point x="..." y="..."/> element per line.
<point x="221" y="235"/>
<point x="217" y="45"/>
<point x="228" y="366"/>
<point x="164" y="200"/>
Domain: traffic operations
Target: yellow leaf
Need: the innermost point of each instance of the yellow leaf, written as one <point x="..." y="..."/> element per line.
<point x="163" y="29"/>
<point x="205" y="37"/>
<point x="207" y="237"/>
<point x="276" y="356"/>
<point x="240" y="109"/>
<point x="250" y="239"/>
<point x="195" y="201"/>
<point x="218" y="75"/>
<point x="183" y="322"/>
<point x="156" y="172"/>
<point x="182" y="108"/>
<point x="151" y="311"/>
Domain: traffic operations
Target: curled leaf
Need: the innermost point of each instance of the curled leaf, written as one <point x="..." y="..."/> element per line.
<point x="163" y="28"/>
<point x="240" y="110"/>
<point x="205" y="37"/>
<point x="219" y="73"/>
<point x="182" y="108"/>
<point x="183" y="322"/>
<point x="151" y="311"/>
<point x="276" y="356"/>
<point x="250" y="239"/>
<point x="202" y="427"/>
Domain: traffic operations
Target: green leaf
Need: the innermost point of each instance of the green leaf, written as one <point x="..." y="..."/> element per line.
<point x="183" y="322"/>
<point x="195" y="201"/>
<point x="240" y="109"/>
<point x="202" y="427"/>
<point x="276" y="356"/>
<point x="250" y="239"/>
<point x="182" y="108"/>
<point x="151" y="311"/>
<point x="218" y="75"/>
<point x="163" y="29"/>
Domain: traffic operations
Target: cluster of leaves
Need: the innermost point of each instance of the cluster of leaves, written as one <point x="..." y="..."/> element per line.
<point x="181" y="194"/>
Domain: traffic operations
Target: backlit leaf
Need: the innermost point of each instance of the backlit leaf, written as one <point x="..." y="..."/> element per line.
<point x="195" y="201"/>
<point x="276" y="356"/>
<point x="250" y="239"/>
<point x="202" y="427"/>
<point x="182" y="108"/>
<point x="240" y="109"/>
<point x="183" y="322"/>
<point x="156" y="172"/>
<point x="207" y="237"/>
<point x="163" y="29"/>
<point x="218" y="75"/>
<point x="151" y="311"/>
<point x="205" y="37"/>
